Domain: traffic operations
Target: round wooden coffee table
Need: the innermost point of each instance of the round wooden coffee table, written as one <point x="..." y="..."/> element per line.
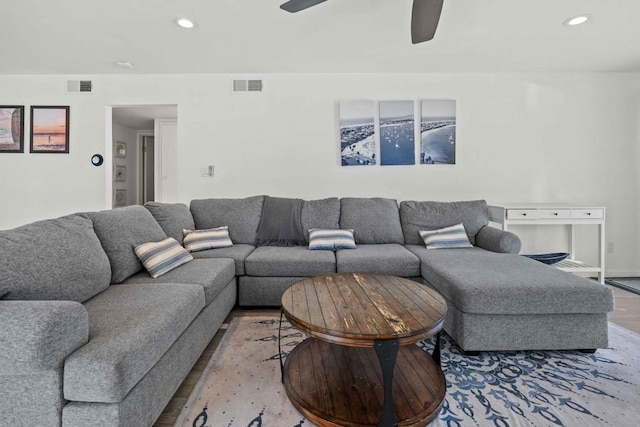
<point x="373" y="377"/>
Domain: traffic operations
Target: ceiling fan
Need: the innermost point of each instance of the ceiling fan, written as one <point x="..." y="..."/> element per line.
<point x="424" y="16"/>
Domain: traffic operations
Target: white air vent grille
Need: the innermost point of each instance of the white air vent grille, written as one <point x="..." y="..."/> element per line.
<point x="247" y="85"/>
<point x="79" y="86"/>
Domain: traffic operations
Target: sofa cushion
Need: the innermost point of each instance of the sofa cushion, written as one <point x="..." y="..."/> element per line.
<point x="446" y="238"/>
<point x="212" y="238"/>
<point x="122" y="229"/>
<point x="161" y="257"/>
<point x="289" y="261"/>
<point x="416" y="216"/>
<point x="482" y="282"/>
<point x="242" y="216"/>
<point x="331" y="240"/>
<point x="212" y="274"/>
<point x="324" y="213"/>
<point x="55" y="259"/>
<point x="374" y="220"/>
<point x="172" y="217"/>
<point x="130" y="328"/>
<point x="238" y="253"/>
<point x="390" y="258"/>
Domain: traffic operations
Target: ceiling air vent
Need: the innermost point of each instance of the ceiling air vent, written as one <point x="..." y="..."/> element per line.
<point x="79" y="86"/>
<point x="247" y="85"/>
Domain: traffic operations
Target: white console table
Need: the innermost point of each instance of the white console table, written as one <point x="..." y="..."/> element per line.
<point x="537" y="214"/>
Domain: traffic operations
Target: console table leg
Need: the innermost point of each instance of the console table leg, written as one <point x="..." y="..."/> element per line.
<point x="387" y="351"/>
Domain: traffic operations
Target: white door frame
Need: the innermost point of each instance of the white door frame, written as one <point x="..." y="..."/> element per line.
<point x="108" y="157"/>
<point x="139" y="140"/>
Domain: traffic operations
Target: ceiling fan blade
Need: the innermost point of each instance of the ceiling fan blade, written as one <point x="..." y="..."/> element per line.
<point x="424" y="19"/>
<point x="294" y="6"/>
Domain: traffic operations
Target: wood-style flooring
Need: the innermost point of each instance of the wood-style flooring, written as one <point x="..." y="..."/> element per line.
<point x="626" y="314"/>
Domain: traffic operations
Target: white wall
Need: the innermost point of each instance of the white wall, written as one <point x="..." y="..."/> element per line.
<point x="559" y="138"/>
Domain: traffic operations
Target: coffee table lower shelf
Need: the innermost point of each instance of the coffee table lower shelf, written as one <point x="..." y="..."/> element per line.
<point x="335" y="385"/>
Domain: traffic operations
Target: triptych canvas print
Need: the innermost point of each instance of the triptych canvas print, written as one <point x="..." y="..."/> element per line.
<point x="392" y="133"/>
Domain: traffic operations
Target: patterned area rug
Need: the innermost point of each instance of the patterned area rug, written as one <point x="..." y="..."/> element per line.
<point x="241" y="384"/>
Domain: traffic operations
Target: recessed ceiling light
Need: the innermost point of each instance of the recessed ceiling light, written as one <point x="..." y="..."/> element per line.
<point x="576" y="20"/>
<point x="184" y="23"/>
<point x="125" y="64"/>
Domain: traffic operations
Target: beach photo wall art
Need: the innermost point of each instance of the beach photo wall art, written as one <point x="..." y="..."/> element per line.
<point x="438" y="132"/>
<point x="11" y="128"/>
<point x="397" y="133"/>
<point x="385" y="132"/>
<point x="49" y="129"/>
<point x="357" y="133"/>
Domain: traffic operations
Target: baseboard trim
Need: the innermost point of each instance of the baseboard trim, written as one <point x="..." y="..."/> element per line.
<point x="610" y="274"/>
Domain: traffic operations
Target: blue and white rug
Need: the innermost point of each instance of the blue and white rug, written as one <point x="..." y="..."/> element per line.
<point x="241" y="384"/>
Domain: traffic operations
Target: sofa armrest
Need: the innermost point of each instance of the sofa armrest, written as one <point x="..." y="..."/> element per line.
<point x="496" y="240"/>
<point x="39" y="335"/>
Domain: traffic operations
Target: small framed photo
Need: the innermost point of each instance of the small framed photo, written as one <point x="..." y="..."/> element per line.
<point x="120" y="173"/>
<point x="49" y="129"/>
<point x="120" y="149"/>
<point x="120" y="198"/>
<point x="11" y="129"/>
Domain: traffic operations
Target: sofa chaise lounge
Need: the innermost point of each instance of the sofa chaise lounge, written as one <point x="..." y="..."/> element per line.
<point x="90" y="338"/>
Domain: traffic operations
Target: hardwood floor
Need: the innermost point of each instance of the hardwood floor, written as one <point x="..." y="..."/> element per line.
<point x="627" y="310"/>
<point x="626" y="314"/>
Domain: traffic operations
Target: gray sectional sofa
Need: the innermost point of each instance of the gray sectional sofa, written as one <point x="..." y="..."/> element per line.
<point x="89" y="338"/>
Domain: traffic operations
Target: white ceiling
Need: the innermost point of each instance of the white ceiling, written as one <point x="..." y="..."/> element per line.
<point x="256" y="36"/>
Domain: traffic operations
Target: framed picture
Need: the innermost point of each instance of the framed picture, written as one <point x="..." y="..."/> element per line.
<point x="120" y="198"/>
<point x="120" y="149"/>
<point x="11" y="129"/>
<point x="49" y="129"/>
<point x="357" y="133"/>
<point x="120" y="173"/>
<point x="438" y="132"/>
<point x="397" y="139"/>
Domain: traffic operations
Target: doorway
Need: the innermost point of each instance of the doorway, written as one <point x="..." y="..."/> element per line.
<point x="136" y="153"/>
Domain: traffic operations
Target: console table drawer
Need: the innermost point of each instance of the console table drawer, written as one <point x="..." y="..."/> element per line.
<point x="554" y="213"/>
<point x="522" y="214"/>
<point x="587" y="213"/>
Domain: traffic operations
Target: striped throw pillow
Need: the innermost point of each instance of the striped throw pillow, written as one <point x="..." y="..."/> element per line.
<point x="162" y="257"/>
<point x="449" y="237"/>
<point x="330" y="239"/>
<point x="212" y="238"/>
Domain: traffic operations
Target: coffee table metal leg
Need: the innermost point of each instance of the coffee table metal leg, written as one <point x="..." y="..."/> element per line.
<point x="436" y="349"/>
<point x="387" y="351"/>
<point x="280" y="348"/>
